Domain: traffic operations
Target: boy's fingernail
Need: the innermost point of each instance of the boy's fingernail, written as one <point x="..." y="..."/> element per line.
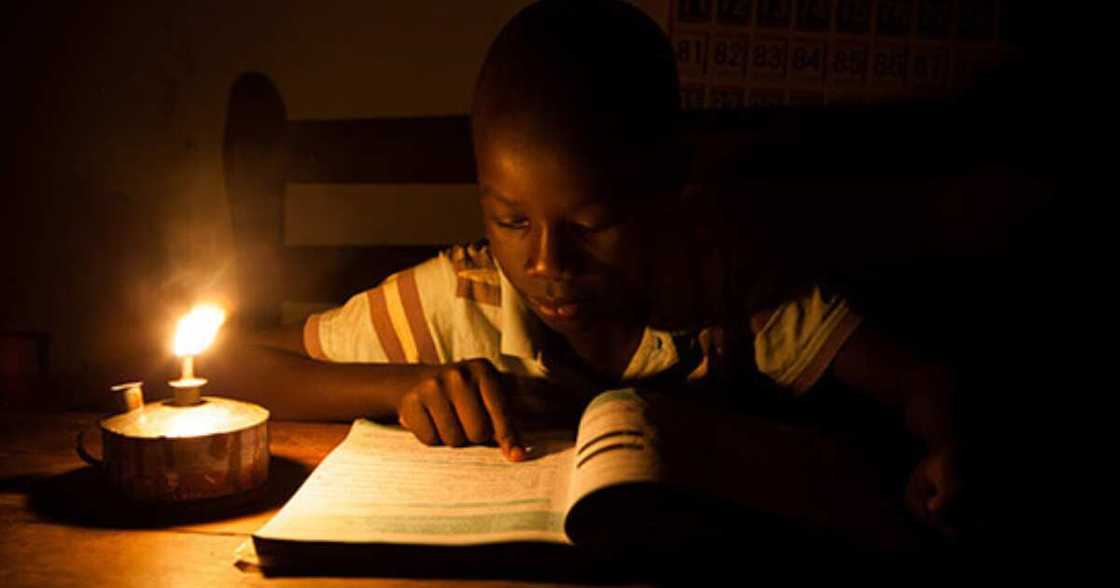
<point x="516" y="453"/>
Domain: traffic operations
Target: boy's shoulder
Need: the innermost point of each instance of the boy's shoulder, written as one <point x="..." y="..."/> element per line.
<point x="442" y="309"/>
<point x="468" y="271"/>
<point x="471" y="257"/>
<point x="461" y="260"/>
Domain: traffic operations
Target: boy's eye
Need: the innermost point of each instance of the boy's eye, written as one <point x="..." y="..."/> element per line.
<point x="595" y="226"/>
<point x="511" y="222"/>
<point x="592" y="227"/>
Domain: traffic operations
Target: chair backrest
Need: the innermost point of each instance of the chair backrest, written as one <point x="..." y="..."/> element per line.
<point x="265" y="152"/>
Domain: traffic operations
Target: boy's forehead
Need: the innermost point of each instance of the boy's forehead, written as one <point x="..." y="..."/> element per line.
<point x="583" y="155"/>
<point x="519" y="174"/>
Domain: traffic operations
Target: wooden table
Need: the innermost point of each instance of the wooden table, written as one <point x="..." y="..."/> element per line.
<point x="60" y="526"/>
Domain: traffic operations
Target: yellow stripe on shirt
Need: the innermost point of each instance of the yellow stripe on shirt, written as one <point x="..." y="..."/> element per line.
<point x="414" y="312"/>
<point x="400" y="320"/>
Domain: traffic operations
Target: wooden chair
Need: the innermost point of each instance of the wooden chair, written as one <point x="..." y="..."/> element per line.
<point x="265" y="152"/>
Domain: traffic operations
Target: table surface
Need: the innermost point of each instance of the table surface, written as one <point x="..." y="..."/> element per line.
<point x="60" y="525"/>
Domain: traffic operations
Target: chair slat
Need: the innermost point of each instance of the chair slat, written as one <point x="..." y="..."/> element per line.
<point x="433" y="149"/>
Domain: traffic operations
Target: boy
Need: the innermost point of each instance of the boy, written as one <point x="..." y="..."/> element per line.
<point x="580" y="182"/>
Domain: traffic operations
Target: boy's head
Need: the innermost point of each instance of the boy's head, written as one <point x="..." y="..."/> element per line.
<point x="573" y="124"/>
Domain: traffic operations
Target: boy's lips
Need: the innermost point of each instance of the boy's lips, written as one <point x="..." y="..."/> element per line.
<point x="558" y="309"/>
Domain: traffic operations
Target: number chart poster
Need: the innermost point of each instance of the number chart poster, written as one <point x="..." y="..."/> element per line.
<point x="745" y="53"/>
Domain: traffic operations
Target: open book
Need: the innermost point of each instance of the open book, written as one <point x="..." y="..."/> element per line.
<point x="381" y="498"/>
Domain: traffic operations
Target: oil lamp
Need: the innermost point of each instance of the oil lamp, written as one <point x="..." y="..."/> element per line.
<point x="191" y="446"/>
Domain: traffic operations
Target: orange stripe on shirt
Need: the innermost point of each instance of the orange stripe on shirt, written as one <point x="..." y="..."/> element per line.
<point x="410" y="300"/>
<point x="383" y="326"/>
<point x="481" y="292"/>
<point x="312" y="344"/>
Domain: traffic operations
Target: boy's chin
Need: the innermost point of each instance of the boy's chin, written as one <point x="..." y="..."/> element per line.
<point x="581" y="323"/>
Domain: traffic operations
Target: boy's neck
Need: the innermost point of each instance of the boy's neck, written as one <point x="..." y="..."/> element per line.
<point x="605" y="353"/>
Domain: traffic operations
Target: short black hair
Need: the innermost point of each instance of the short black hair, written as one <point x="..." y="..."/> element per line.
<point x="580" y="71"/>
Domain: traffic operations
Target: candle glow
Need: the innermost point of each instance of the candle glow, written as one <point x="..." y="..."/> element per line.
<point x="197" y="329"/>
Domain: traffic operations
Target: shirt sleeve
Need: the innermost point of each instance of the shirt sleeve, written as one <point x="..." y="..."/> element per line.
<point x="795" y="343"/>
<point x="399" y="321"/>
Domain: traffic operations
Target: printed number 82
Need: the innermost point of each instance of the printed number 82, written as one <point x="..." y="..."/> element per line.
<point x="728" y="54"/>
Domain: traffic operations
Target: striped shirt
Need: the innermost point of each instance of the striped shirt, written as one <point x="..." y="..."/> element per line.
<point x="459" y="305"/>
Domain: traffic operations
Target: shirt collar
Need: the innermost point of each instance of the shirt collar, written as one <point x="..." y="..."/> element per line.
<point x="520" y="336"/>
<point x="656" y="353"/>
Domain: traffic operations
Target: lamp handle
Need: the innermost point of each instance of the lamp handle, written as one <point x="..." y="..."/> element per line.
<point x="80" y="447"/>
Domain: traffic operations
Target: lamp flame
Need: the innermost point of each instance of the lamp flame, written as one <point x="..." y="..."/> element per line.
<point x="197" y="329"/>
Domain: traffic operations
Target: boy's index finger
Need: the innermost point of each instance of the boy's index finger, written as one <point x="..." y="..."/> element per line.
<point x="501" y="416"/>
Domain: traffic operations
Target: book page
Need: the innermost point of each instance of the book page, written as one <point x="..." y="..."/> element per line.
<point x="381" y="485"/>
<point x="615" y="444"/>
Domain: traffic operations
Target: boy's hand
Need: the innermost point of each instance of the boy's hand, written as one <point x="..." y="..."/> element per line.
<point x="464" y="402"/>
<point x="934" y="491"/>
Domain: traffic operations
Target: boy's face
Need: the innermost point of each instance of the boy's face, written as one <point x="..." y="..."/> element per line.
<point x="565" y="228"/>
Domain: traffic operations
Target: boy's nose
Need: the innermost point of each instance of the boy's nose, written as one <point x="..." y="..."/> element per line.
<point x="547" y="259"/>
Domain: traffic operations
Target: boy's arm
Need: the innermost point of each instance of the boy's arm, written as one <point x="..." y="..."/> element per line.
<point x="454" y="404"/>
<point x="271" y="367"/>
<point x="871" y="362"/>
<point x="922" y="390"/>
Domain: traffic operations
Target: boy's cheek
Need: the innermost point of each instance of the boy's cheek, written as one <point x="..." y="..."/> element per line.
<point x="509" y="255"/>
